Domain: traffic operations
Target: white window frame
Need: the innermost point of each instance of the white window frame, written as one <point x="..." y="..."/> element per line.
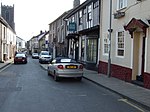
<point x="89" y="12"/>
<point x="121" y="4"/>
<point x="117" y="44"/>
<point x="106" y="42"/>
<point x="80" y="17"/>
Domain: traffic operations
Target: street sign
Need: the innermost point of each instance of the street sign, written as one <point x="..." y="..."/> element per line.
<point x="72" y="26"/>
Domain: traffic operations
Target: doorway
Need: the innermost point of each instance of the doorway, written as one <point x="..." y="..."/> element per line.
<point x="138" y="56"/>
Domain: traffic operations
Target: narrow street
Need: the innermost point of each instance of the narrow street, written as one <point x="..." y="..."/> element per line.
<point x="28" y="88"/>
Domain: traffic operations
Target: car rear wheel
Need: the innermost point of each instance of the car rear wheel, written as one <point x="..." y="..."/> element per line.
<point x="79" y="78"/>
<point x="48" y="73"/>
<point x="56" y="78"/>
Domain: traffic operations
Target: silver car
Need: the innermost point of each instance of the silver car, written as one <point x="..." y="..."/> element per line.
<point x="65" y="67"/>
<point x="45" y="57"/>
<point x="35" y="55"/>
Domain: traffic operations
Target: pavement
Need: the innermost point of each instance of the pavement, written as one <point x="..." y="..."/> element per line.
<point x="129" y="91"/>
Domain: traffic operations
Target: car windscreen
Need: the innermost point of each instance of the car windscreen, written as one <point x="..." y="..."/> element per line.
<point x="20" y="55"/>
<point x="45" y="53"/>
<point x="65" y="61"/>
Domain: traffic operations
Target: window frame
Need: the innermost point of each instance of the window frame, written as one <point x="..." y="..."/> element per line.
<point x="89" y="13"/>
<point x="106" y="36"/>
<point x="121" y="4"/>
<point x="80" y="17"/>
<point x="91" y="51"/>
<point x="95" y="4"/>
<point x="123" y="43"/>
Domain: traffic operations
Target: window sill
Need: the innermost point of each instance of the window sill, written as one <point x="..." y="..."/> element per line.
<point x="119" y="10"/>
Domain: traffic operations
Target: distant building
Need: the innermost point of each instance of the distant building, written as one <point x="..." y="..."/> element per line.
<point x="33" y="43"/>
<point x="7" y="12"/>
<point x="7" y="33"/>
<point x="43" y="41"/>
<point x="57" y="33"/>
<point x="20" y="44"/>
<point x="7" y="41"/>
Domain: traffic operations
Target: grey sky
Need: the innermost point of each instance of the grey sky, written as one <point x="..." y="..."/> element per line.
<point x="31" y="16"/>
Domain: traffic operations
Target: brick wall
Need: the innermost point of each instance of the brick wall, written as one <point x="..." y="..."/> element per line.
<point x="147" y="80"/>
<point x="119" y="72"/>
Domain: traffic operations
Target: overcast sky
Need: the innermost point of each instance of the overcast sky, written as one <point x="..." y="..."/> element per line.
<point x="31" y="16"/>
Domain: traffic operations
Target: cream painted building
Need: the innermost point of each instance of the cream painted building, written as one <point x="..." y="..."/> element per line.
<point x="130" y="51"/>
<point x="7" y="41"/>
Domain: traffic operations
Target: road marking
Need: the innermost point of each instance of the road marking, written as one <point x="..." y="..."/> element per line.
<point x="5" y="67"/>
<point x="126" y="101"/>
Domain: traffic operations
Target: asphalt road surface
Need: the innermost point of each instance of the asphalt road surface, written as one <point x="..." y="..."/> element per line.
<point x="28" y="88"/>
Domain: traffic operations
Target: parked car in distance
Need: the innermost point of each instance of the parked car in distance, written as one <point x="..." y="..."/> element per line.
<point x="65" y="67"/>
<point x="35" y="55"/>
<point x="20" y="58"/>
<point x="45" y="57"/>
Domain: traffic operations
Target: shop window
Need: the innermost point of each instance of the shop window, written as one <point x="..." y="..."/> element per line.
<point x="91" y="50"/>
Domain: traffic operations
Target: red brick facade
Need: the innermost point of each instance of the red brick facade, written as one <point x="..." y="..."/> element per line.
<point x="119" y="72"/>
<point x="147" y="80"/>
<point x="122" y="73"/>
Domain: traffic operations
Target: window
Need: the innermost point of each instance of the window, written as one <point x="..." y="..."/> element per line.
<point x="122" y="4"/>
<point x="89" y="12"/>
<point x="89" y="16"/>
<point x="106" y="43"/>
<point x="73" y="19"/>
<point x="91" y="49"/>
<point x="4" y="32"/>
<point x="82" y="48"/>
<point x="95" y="4"/>
<point x="120" y="43"/>
<point x="80" y="18"/>
<point x="84" y="11"/>
<point x="20" y="44"/>
<point x="7" y="15"/>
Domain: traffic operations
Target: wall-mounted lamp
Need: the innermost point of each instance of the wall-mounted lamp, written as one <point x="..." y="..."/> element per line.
<point x="110" y="30"/>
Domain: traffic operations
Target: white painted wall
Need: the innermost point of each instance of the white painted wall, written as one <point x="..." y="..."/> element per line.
<point x="134" y="9"/>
